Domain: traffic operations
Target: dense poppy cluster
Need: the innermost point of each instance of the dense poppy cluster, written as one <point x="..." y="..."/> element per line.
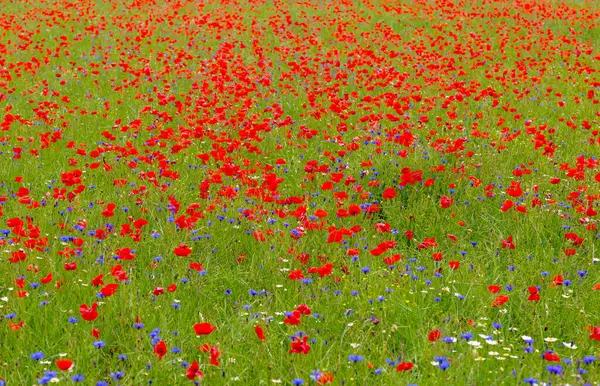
<point x="315" y="192"/>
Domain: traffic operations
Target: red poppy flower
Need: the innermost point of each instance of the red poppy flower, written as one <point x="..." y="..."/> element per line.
<point x="193" y="371"/>
<point x="160" y="349"/>
<point x="204" y="328"/>
<point x="182" y="250"/>
<point x="551" y="357"/>
<point x="47" y="279"/>
<point x="296" y="275"/>
<point x="446" y="202"/>
<point x="500" y="300"/>
<point x="320" y="213"/>
<point x="389" y="193"/>
<point x="109" y="290"/>
<point x="434" y="335"/>
<point x="325" y="378"/>
<point x="303" y="309"/>
<point x="533" y="294"/>
<point x="214" y="356"/>
<point x="293" y="319"/>
<point x="558" y="280"/>
<point x="508" y="243"/>
<point x="87" y="313"/>
<point x="427" y="243"/>
<point x="125" y="254"/>
<point x="64" y="364"/>
<point x="259" y="332"/>
<point x="454" y="264"/>
<point x="514" y="190"/>
<point x="16" y="326"/>
<point x="72" y="266"/>
<point x="139" y="223"/>
<point x="392" y="259"/>
<point x="404" y="366"/>
<point x="299" y="346"/>
<point x="97" y="281"/>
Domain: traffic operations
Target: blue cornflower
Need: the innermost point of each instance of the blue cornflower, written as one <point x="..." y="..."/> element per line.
<point x="554" y="369"/>
<point x="99" y="344"/>
<point x="355" y="358"/>
<point x="48" y="375"/>
<point x="37" y="355"/>
<point x="589" y="359"/>
<point x="117" y="375"/>
<point x="154" y="333"/>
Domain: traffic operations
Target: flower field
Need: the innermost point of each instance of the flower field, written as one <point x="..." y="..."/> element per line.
<point x="299" y="193"/>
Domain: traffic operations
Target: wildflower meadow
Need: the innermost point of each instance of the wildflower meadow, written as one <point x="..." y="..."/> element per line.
<point x="263" y="192"/>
